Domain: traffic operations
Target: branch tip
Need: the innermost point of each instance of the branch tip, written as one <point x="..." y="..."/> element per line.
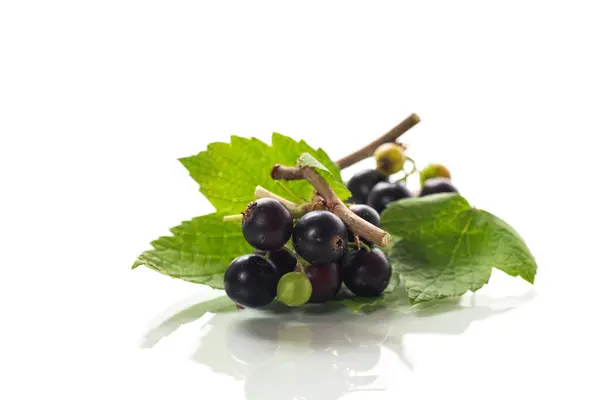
<point x="369" y="149"/>
<point x="274" y="170"/>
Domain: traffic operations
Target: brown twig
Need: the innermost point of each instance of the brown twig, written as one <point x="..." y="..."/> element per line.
<point x="369" y="149"/>
<point x="333" y="203"/>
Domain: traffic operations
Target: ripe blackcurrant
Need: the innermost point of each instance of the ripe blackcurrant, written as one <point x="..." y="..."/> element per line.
<point x="386" y="192"/>
<point x="267" y="224"/>
<point x="390" y="158"/>
<point x="284" y="261"/>
<point x="251" y="281"/>
<point x="368" y="214"/>
<point x="366" y="273"/>
<point x="320" y="236"/>
<point x="438" y="185"/>
<point x="360" y="185"/>
<point x="326" y="281"/>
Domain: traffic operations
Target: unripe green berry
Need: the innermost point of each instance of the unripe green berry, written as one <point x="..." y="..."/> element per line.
<point x="434" y="171"/>
<point x="294" y="289"/>
<point x="390" y="158"/>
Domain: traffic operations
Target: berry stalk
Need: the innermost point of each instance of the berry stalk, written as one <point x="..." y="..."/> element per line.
<point x="234" y="217"/>
<point x="333" y="203"/>
<point x="297" y="210"/>
<point x="301" y="262"/>
<point x="369" y="149"/>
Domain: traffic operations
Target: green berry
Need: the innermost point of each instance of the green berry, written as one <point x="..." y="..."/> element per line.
<point x="390" y="158"/>
<point x="434" y="171"/>
<point x="294" y="289"/>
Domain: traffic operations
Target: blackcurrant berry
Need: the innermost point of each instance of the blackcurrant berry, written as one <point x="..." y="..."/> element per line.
<point x="326" y="280"/>
<point x="368" y="214"/>
<point x="386" y="192"/>
<point x="366" y="273"/>
<point x="284" y="261"/>
<point x="320" y="236"/>
<point x="438" y="185"/>
<point x="251" y="281"/>
<point x="267" y="224"/>
<point x="360" y="185"/>
<point x="390" y="158"/>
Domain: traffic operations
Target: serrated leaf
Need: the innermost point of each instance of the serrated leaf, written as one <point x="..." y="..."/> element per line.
<point x="444" y="247"/>
<point x="336" y="183"/>
<point x="198" y="251"/>
<point x="291" y="148"/>
<point x="228" y="173"/>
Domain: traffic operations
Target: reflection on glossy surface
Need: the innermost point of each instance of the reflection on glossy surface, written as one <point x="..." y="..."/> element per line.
<point x="322" y="354"/>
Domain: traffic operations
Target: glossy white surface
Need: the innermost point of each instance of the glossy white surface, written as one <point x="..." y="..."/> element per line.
<point x="328" y="355"/>
<point x="99" y="99"/>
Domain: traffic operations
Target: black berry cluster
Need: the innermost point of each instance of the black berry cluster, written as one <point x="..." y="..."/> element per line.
<point x="373" y="188"/>
<point x="310" y="258"/>
<point x="303" y="260"/>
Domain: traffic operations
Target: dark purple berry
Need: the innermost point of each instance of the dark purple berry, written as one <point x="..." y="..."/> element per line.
<point x="320" y="237"/>
<point x="437" y="185"/>
<point x="368" y="214"/>
<point x="283" y="260"/>
<point x="326" y="281"/>
<point x="251" y="281"/>
<point x="267" y="224"/>
<point x="386" y="192"/>
<point x="366" y="273"/>
<point x="360" y="185"/>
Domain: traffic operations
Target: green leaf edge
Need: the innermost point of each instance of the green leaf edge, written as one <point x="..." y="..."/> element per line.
<point x="467" y="208"/>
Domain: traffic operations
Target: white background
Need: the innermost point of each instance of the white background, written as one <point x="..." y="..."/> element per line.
<point x="98" y="100"/>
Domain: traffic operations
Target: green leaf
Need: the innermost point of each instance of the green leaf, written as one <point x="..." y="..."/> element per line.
<point x="198" y="251"/>
<point x="388" y="300"/>
<point x="444" y="247"/>
<point x="228" y="173"/>
<point x="336" y="183"/>
<point x="287" y="146"/>
<point x="361" y="303"/>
